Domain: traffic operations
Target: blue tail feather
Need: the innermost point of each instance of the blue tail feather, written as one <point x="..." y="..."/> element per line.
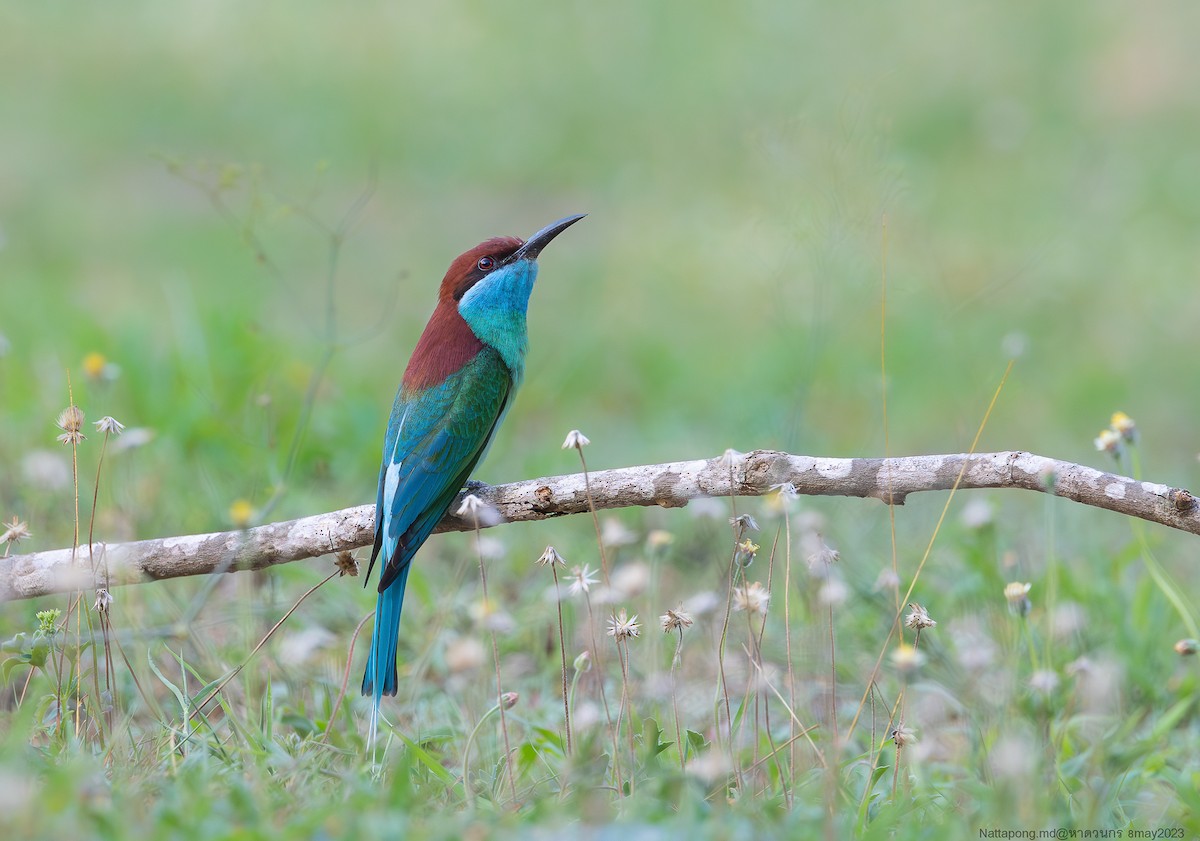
<point x="380" y="678"/>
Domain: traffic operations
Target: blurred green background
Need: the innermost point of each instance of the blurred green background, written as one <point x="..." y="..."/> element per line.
<point x="1036" y="167"/>
<point x="1028" y="174"/>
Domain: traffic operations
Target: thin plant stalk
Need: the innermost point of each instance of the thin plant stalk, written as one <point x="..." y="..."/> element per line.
<point x="787" y="632"/>
<point x="499" y="706"/>
<point x="675" y="700"/>
<point x="562" y="650"/>
<point x="512" y="783"/>
<point x="604" y="698"/>
<point x="587" y="487"/>
<point x="623" y="710"/>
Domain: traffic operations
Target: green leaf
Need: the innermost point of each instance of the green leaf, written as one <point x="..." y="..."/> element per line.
<point x="426" y="759"/>
<point x="183" y="704"/>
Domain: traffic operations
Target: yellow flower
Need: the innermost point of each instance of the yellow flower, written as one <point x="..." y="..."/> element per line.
<point x="93" y="365"/>
<point x="241" y="512"/>
<point x="1124" y="426"/>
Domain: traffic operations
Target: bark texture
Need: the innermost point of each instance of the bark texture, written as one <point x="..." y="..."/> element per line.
<point x="670" y="485"/>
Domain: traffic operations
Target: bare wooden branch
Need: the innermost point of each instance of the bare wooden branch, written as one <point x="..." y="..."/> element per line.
<point x="668" y="485"/>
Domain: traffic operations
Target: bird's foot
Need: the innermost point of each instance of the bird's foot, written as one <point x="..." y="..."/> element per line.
<point x="474" y="486"/>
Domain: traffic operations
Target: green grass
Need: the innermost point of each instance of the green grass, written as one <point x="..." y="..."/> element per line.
<point x="1036" y="170"/>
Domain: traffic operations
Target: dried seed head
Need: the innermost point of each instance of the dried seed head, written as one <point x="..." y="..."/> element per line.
<point x="1017" y="596"/>
<point x="675" y="620"/>
<point x="582" y="579"/>
<point x="70" y="421"/>
<point x="904" y="735"/>
<point x="109" y="424"/>
<point x="575" y="440"/>
<point x="104" y="600"/>
<point x="823" y="557"/>
<point x="753" y="598"/>
<point x="478" y="512"/>
<point x="14" y="531"/>
<point x="786" y="490"/>
<point x="622" y="626"/>
<point x="551" y="558"/>
<point x="346" y="565"/>
<point x="730" y="458"/>
<point x="1108" y="442"/>
<point x="887" y="579"/>
<point x="743" y="523"/>
<point x="919" y="618"/>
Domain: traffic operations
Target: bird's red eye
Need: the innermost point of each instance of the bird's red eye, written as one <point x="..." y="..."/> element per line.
<point x="486" y="264"/>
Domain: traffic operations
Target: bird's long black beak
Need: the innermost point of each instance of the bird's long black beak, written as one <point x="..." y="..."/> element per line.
<point x="534" y="245"/>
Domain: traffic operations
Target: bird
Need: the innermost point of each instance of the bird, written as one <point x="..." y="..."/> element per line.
<point x="457" y="387"/>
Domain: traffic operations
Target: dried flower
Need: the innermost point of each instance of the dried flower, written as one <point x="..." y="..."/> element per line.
<point x="576" y="440"/>
<point x="743" y="523"/>
<point x="478" y="511"/>
<point x="675" y="620"/>
<point x="786" y="490"/>
<point x="108" y="424"/>
<point x="550" y="558"/>
<point x="904" y="735"/>
<point x="887" y="579"/>
<point x="1017" y="595"/>
<point x="919" y="618"/>
<point x="14" y="531"/>
<point x="582" y="580"/>
<point x="824" y="557"/>
<point x="730" y="458"/>
<point x="471" y="504"/>
<point x="752" y="598"/>
<point x="104" y="600"/>
<point x="622" y="626"/>
<point x="1108" y="442"/>
<point x="70" y="421"/>
<point x="346" y="564"/>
